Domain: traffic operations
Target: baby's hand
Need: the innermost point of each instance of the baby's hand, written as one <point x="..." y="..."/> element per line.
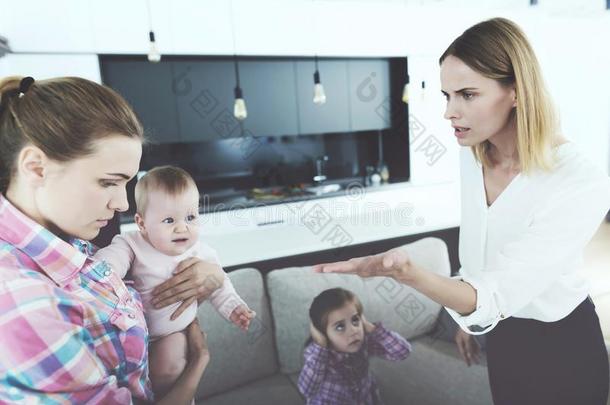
<point x="241" y="316"/>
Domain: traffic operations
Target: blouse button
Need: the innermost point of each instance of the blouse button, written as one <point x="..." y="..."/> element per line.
<point x="107" y="273"/>
<point x="132" y="316"/>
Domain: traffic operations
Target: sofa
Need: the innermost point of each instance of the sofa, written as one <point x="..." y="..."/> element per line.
<point x="261" y="367"/>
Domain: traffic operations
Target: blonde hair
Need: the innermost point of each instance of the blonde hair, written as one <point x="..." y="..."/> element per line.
<point x="61" y="116"/>
<point x="169" y="179"/>
<point x="498" y="49"/>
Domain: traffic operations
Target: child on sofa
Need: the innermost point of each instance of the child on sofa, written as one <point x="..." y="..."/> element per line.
<point x="167" y="202"/>
<point x="336" y="369"/>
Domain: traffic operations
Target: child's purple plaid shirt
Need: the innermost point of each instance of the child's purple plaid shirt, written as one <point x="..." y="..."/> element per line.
<point x="333" y="378"/>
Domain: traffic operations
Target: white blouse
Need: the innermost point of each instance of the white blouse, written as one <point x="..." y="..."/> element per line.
<point x="523" y="253"/>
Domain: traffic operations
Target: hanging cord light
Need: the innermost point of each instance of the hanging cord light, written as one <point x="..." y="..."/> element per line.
<point x="319" y="96"/>
<point x="153" y="53"/>
<point x="239" y="108"/>
<point x="423" y="90"/>
<point x="405" y="90"/>
<point x="240" y="111"/>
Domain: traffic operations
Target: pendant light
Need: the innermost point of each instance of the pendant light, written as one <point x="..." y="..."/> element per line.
<point x="240" y="112"/>
<point x="423" y="90"/>
<point x="153" y="53"/>
<point x="239" y="108"/>
<point x="319" y="96"/>
<point x="405" y="90"/>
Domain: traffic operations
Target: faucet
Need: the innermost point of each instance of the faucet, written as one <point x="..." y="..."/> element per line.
<point x="319" y="178"/>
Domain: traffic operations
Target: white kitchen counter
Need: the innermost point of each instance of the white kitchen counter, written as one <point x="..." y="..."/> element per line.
<point x="365" y="215"/>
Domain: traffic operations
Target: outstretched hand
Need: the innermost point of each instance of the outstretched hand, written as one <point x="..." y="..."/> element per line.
<point x="394" y="263"/>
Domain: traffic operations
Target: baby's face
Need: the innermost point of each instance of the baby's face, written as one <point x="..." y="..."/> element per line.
<point x="345" y="330"/>
<point x="171" y="223"/>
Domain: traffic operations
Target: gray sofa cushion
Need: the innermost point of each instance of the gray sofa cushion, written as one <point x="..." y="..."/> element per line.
<point x="433" y="374"/>
<point x="236" y="357"/>
<point x="291" y="291"/>
<point x="271" y="390"/>
<point x="399" y="307"/>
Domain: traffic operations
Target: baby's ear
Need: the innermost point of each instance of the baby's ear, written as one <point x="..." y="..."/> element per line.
<point x="140" y="222"/>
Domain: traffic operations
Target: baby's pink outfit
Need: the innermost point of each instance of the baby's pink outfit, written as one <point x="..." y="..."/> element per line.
<point x="149" y="268"/>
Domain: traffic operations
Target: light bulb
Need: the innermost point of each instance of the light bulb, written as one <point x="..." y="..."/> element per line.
<point x="153" y="53"/>
<point x="239" y="109"/>
<point x="405" y="94"/>
<point x="319" y="97"/>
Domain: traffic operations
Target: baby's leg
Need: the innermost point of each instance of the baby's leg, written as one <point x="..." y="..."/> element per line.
<point x="167" y="360"/>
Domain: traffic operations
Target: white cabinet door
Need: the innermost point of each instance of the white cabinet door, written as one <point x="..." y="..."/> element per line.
<point x="47" y="26"/>
<point x="121" y="27"/>
<point x="273" y="27"/>
<point x="200" y="27"/>
<point x="47" y="66"/>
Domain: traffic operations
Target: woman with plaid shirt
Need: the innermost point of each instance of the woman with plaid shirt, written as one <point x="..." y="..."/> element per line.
<point x="71" y="331"/>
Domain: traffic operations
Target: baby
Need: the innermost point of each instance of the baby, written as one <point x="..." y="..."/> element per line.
<point x="167" y="201"/>
<point x="336" y="370"/>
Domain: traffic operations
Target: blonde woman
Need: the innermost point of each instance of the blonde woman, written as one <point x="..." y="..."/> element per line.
<point x="530" y="204"/>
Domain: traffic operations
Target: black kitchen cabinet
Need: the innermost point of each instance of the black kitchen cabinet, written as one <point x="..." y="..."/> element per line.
<point x="185" y="99"/>
<point x="333" y="116"/>
<point x="270" y="95"/>
<point x="148" y="88"/>
<point x="204" y="99"/>
<point x="369" y="91"/>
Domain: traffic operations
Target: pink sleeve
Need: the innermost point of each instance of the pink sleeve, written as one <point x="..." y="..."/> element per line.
<point x="225" y="299"/>
<point x="119" y="255"/>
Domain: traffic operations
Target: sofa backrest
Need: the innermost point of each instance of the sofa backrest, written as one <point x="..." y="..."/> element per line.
<point x="237" y="357"/>
<point x="398" y="306"/>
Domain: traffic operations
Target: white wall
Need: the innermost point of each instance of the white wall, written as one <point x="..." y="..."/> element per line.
<point x="570" y="37"/>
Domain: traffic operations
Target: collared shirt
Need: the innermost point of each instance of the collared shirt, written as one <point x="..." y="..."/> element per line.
<point x="523" y="253"/>
<point x="70" y="330"/>
<point x="330" y="377"/>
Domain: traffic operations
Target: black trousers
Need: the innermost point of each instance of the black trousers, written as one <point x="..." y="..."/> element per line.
<point x="538" y="363"/>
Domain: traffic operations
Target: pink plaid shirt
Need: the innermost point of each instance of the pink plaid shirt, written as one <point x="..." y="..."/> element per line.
<point x="70" y="330"/>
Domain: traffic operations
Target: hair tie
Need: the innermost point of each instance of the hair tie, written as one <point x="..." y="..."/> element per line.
<point x="25" y="85"/>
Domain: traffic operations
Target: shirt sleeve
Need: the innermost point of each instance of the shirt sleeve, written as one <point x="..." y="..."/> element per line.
<point x="387" y="344"/>
<point x="225" y="299"/>
<point x="528" y="266"/>
<point x="314" y="370"/>
<point x="47" y="354"/>
<point x="119" y="255"/>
